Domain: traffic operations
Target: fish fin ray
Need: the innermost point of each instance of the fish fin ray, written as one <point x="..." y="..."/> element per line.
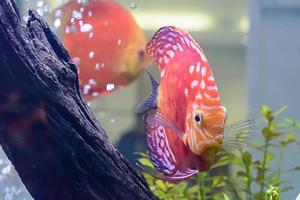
<point x="150" y="102"/>
<point x="176" y="177"/>
<point x="160" y="152"/>
<point x="158" y="117"/>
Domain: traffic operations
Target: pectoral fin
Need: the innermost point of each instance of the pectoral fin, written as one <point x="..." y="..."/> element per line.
<point x="150" y="102"/>
<point x="156" y="117"/>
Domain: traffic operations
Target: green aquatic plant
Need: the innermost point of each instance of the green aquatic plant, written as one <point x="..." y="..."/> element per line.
<point x="252" y="171"/>
<point x="272" y="193"/>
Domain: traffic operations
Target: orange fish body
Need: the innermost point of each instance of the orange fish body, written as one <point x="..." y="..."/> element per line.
<point x="185" y="125"/>
<point x="105" y="42"/>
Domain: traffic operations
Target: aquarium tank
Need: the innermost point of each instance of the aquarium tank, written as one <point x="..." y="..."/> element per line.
<point x="253" y="49"/>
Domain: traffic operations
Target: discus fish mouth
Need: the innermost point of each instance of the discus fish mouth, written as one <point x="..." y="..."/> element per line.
<point x="207" y="147"/>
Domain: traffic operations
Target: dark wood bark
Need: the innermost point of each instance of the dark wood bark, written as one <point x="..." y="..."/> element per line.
<point x="46" y="129"/>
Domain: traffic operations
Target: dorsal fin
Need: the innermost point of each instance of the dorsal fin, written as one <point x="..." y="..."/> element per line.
<point x="150" y="102"/>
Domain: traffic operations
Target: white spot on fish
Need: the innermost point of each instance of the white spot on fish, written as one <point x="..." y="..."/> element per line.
<point x="162" y="143"/>
<point x="174" y="47"/>
<point x="95" y="94"/>
<point x="194" y="106"/>
<point x="119" y="42"/>
<point x="211" y="78"/>
<point x="198" y="67"/>
<point x="92" y="82"/>
<point x="203" y="71"/>
<point x="170" y="53"/>
<point x="160" y="51"/>
<point x="168" y="45"/>
<point x="76" y="14"/>
<point x="91" y="54"/>
<point x="90" y="13"/>
<point x="191" y="69"/>
<point x="194" y="83"/>
<point x="76" y="60"/>
<point x="186" y="92"/>
<point x="187" y="41"/>
<point x="162" y="73"/>
<point x="166" y="59"/>
<point x="86" y="89"/>
<point x="110" y="86"/>
<point x="160" y="60"/>
<point x="202" y="84"/>
<point x="99" y="66"/>
<point x="212" y="87"/>
<point x="198" y="96"/>
<point x="207" y="96"/>
<point x="179" y="47"/>
<point x="86" y="28"/>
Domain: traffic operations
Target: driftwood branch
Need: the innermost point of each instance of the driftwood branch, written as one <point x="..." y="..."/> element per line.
<point x="46" y="129"/>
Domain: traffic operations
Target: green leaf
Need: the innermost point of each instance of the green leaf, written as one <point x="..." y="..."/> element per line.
<point x="224" y="160"/>
<point x="289" y="121"/>
<point x="160" y="184"/>
<point x="296" y="168"/>
<point x="270" y="133"/>
<point x="286" y="189"/>
<point x="193" y="190"/>
<point x="225" y="197"/>
<point x="178" y="190"/>
<point x="269" y="157"/>
<point x="280" y="110"/>
<point x="247" y="158"/>
<point x="218" y="181"/>
<point x="272" y="193"/>
<point x="266" y="113"/>
<point x="291" y="137"/>
<point x="241" y="174"/>
<point x="146" y="162"/>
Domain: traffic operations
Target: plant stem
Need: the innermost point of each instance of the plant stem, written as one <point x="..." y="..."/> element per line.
<point x="279" y="162"/>
<point x="201" y="194"/>
<point x="203" y="188"/>
<point x="200" y="187"/>
<point x="249" y="179"/>
<point x="262" y="184"/>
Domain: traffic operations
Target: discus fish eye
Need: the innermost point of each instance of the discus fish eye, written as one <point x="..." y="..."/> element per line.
<point x="198" y="117"/>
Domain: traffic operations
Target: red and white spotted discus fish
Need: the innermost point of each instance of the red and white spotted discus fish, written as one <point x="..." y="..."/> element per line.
<point x="184" y="116"/>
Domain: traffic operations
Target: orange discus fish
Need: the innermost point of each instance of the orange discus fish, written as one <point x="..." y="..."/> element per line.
<point x="184" y="116"/>
<point x="105" y="42"/>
